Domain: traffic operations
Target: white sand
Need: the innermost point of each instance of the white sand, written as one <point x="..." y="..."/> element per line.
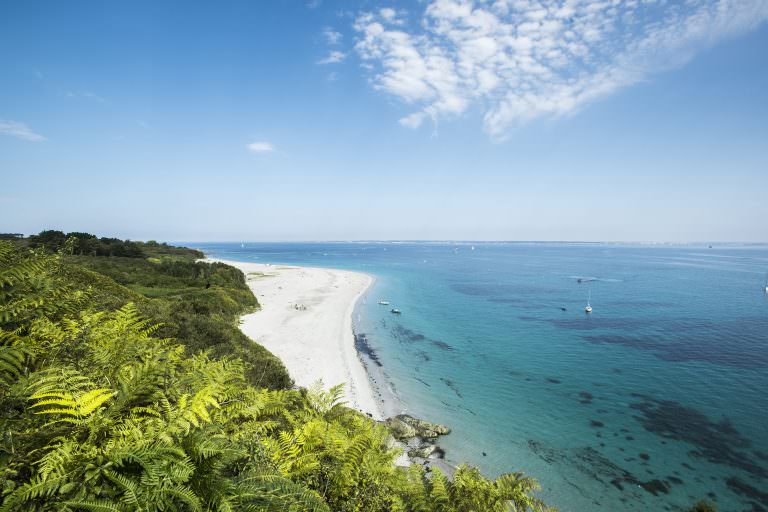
<point x="315" y="343"/>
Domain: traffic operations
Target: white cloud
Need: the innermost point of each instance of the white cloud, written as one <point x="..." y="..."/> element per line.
<point x="261" y="147"/>
<point x="333" y="58"/>
<point x="19" y="130"/>
<point x="87" y="95"/>
<point x="518" y="60"/>
<point x="331" y="36"/>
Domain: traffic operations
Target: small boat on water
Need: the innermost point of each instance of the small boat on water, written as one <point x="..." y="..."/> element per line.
<point x="588" y="308"/>
<point x="765" y="288"/>
<point x="383" y="302"/>
<point x="395" y="311"/>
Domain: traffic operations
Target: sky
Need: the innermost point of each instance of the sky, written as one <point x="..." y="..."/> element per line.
<point x="598" y="120"/>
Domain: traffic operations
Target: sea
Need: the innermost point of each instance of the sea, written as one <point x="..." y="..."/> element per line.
<point x="654" y="401"/>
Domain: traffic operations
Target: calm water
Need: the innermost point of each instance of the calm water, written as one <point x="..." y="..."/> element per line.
<point x="654" y="401"/>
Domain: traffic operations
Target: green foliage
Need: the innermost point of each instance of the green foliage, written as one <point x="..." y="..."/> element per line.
<point x="196" y="302"/>
<point x="102" y="411"/>
<point x="84" y="244"/>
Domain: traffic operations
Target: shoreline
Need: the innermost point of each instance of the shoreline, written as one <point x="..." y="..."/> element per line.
<point x="322" y="340"/>
<point x="306" y="320"/>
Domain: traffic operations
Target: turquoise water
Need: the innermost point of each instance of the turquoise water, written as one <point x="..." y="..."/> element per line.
<point x="655" y="400"/>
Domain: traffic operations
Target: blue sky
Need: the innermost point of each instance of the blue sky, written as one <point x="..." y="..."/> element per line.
<point x="511" y="120"/>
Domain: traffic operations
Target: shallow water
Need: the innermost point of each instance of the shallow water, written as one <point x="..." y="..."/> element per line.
<point x="655" y="400"/>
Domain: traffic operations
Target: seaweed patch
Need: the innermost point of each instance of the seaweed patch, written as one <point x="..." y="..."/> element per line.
<point x="744" y="489"/>
<point x="718" y="442"/>
<point x="598" y="467"/>
<point x="363" y="347"/>
<point x="452" y="386"/>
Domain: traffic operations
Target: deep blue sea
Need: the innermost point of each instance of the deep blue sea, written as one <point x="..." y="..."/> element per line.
<point x="657" y="399"/>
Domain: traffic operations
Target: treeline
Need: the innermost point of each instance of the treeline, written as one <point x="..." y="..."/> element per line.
<point x="86" y="244"/>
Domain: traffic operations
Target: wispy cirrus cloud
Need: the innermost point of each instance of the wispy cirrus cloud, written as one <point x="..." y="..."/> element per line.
<point x="518" y="60"/>
<point x="20" y="131"/>
<point x="332" y="37"/>
<point x="85" y="95"/>
<point x="334" y="57"/>
<point x="261" y="147"/>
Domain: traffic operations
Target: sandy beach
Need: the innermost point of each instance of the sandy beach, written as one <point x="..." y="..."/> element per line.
<point x="306" y="320"/>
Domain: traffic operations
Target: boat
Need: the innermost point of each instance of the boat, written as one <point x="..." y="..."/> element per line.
<point x="384" y="302"/>
<point x="588" y="308"/>
<point x="765" y="288"/>
<point x="395" y="311"/>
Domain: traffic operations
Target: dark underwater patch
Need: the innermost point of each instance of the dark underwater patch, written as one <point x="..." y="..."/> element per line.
<point x="746" y="490"/>
<point x="580" y="323"/>
<point x="598" y="467"/>
<point x="552" y="380"/>
<point x="441" y="345"/>
<point x="423" y="382"/>
<point x="693" y="339"/>
<point x="404" y="334"/>
<point x="364" y="347"/>
<point x="452" y="386"/>
<point x="496" y="290"/>
<point x="408" y="336"/>
<point x="423" y="356"/>
<point x="656" y="486"/>
<point x="505" y="300"/>
<point x="718" y="442"/>
<point x="585" y="397"/>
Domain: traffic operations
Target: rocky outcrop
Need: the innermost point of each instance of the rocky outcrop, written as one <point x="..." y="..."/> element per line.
<point x="422" y="451"/>
<point x="417" y="436"/>
<point x="405" y="427"/>
<point x="401" y="430"/>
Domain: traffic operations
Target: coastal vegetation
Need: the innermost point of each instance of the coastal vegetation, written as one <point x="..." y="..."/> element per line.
<point x="125" y="385"/>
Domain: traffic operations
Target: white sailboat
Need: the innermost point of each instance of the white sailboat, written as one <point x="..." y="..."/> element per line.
<point x="588" y="308"/>
<point x="765" y="288"/>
